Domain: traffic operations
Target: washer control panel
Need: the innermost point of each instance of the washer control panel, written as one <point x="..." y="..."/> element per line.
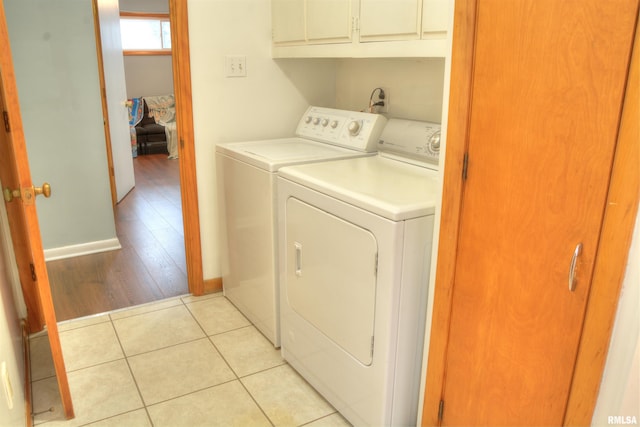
<point x="350" y="129"/>
<point x="415" y="139"/>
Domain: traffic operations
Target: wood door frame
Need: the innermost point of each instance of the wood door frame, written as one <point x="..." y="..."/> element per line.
<point x="613" y="248"/>
<point x="181" y="60"/>
<point x="181" y="65"/>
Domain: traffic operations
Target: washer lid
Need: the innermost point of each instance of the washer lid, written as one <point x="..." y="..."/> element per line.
<point x="390" y="188"/>
<point x="276" y="153"/>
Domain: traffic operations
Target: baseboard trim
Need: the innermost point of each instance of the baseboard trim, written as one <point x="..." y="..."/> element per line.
<point x="82" y="249"/>
<point x="212" y="285"/>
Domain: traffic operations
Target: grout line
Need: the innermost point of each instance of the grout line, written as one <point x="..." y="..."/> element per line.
<point x="133" y="377"/>
<point x="190" y="393"/>
<point x="284" y="363"/>
<point x="109" y="417"/>
<point x="69" y="371"/>
<point x="63" y="325"/>
<point x="256" y="402"/>
<point x="232" y="370"/>
<point x="236" y="377"/>
<point x="323" y="417"/>
<point x="164" y="348"/>
<point x="136" y="307"/>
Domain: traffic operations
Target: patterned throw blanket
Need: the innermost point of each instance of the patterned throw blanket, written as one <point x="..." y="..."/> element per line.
<point x="135" y="115"/>
<point x="163" y="110"/>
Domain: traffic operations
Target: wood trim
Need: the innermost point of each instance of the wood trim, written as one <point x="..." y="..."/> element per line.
<point x="26" y="352"/>
<point x="142" y="15"/>
<point x="52" y="332"/>
<point x="164" y="52"/>
<point x="103" y="100"/>
<point x="613" y="249"/>
<point x="212" y="285"/>
<point x="9" y="103"/>
<point x="619" y="219"/>
<point x="456" y="146"/>
<point x="186" y="147"/>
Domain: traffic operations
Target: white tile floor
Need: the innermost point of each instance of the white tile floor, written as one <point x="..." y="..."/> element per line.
<point x="179" y="362"/>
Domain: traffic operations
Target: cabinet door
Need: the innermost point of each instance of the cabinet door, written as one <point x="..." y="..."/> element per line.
<point x="435" y="17"/>
<point x="390" y="19"/>
<point x="329" y="21"/>
<point x="548" y="81"/>
<point x="288" y="18"/>
<point x="331" y="276"/>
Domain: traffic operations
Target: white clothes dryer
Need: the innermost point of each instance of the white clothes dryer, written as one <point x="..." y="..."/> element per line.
<point x="355" y="250"/>
<point x="246" y="173"/>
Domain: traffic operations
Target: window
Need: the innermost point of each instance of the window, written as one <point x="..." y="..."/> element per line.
<point x="145" y="34"/>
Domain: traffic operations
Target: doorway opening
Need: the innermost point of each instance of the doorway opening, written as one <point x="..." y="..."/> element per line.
<point x="183" y="173"/>
<point x="151" y="264"/>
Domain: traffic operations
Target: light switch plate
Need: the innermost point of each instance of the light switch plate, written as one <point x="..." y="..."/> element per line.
<point x="235" y="65"/>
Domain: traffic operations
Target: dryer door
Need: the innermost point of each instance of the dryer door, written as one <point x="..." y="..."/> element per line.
<point x="331" y="276"/>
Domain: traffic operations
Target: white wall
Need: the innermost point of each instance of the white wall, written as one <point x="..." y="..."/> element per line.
<point x="54" y="54"/>
<point x="148" y="75"/>
<point x="620" y="388"/>
<point x="265" y="104"/>
<point x="12" y="309"/>
<point x="152" y="6"/>
<point x="414" y="87"/>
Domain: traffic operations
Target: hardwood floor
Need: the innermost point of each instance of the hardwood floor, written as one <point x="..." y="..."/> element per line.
<point x="151" y="264"/>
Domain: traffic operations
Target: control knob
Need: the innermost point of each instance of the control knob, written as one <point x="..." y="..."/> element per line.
<point x="334" y="124"/>
<point x="316" y="120"/>
<point x="434" y="142"/>
<point x="354" y="127"/>
<point x="307" y="119"/>
<point x="325" y="122"/>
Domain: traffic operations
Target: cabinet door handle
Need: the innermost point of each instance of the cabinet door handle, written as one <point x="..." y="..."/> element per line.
<point x="298" y="247"/>
<point x="572" y="267"/>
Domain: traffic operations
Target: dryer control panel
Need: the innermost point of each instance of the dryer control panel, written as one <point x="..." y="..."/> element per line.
<point x="414" y="139"/>
<point x="350" y="129"/>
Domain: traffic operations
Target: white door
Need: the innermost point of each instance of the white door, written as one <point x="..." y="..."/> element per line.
<point x="331" y="276"/>
<point x="116" y="94"/>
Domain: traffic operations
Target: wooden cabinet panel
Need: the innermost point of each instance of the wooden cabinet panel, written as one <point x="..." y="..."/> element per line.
<point x="548" y="86"/>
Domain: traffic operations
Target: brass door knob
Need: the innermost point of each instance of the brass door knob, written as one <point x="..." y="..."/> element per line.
<point x="27" y="194"/>
<point x="45" y="190"/>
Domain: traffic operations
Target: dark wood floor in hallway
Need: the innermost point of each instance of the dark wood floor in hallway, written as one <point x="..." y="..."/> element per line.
<point x="151" y="264"/>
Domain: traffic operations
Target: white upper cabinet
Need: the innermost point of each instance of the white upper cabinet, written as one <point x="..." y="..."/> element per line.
<point x="287" y="20"/>
<point x="329" y="21"/>
<point x="435" y="17"/>
<point x="390" y="19"/>
<point x="360" y="28"/>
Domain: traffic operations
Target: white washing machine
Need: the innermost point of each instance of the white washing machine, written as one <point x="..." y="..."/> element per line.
<point x="247" y="188"/>
<point x="355" y="250"/>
